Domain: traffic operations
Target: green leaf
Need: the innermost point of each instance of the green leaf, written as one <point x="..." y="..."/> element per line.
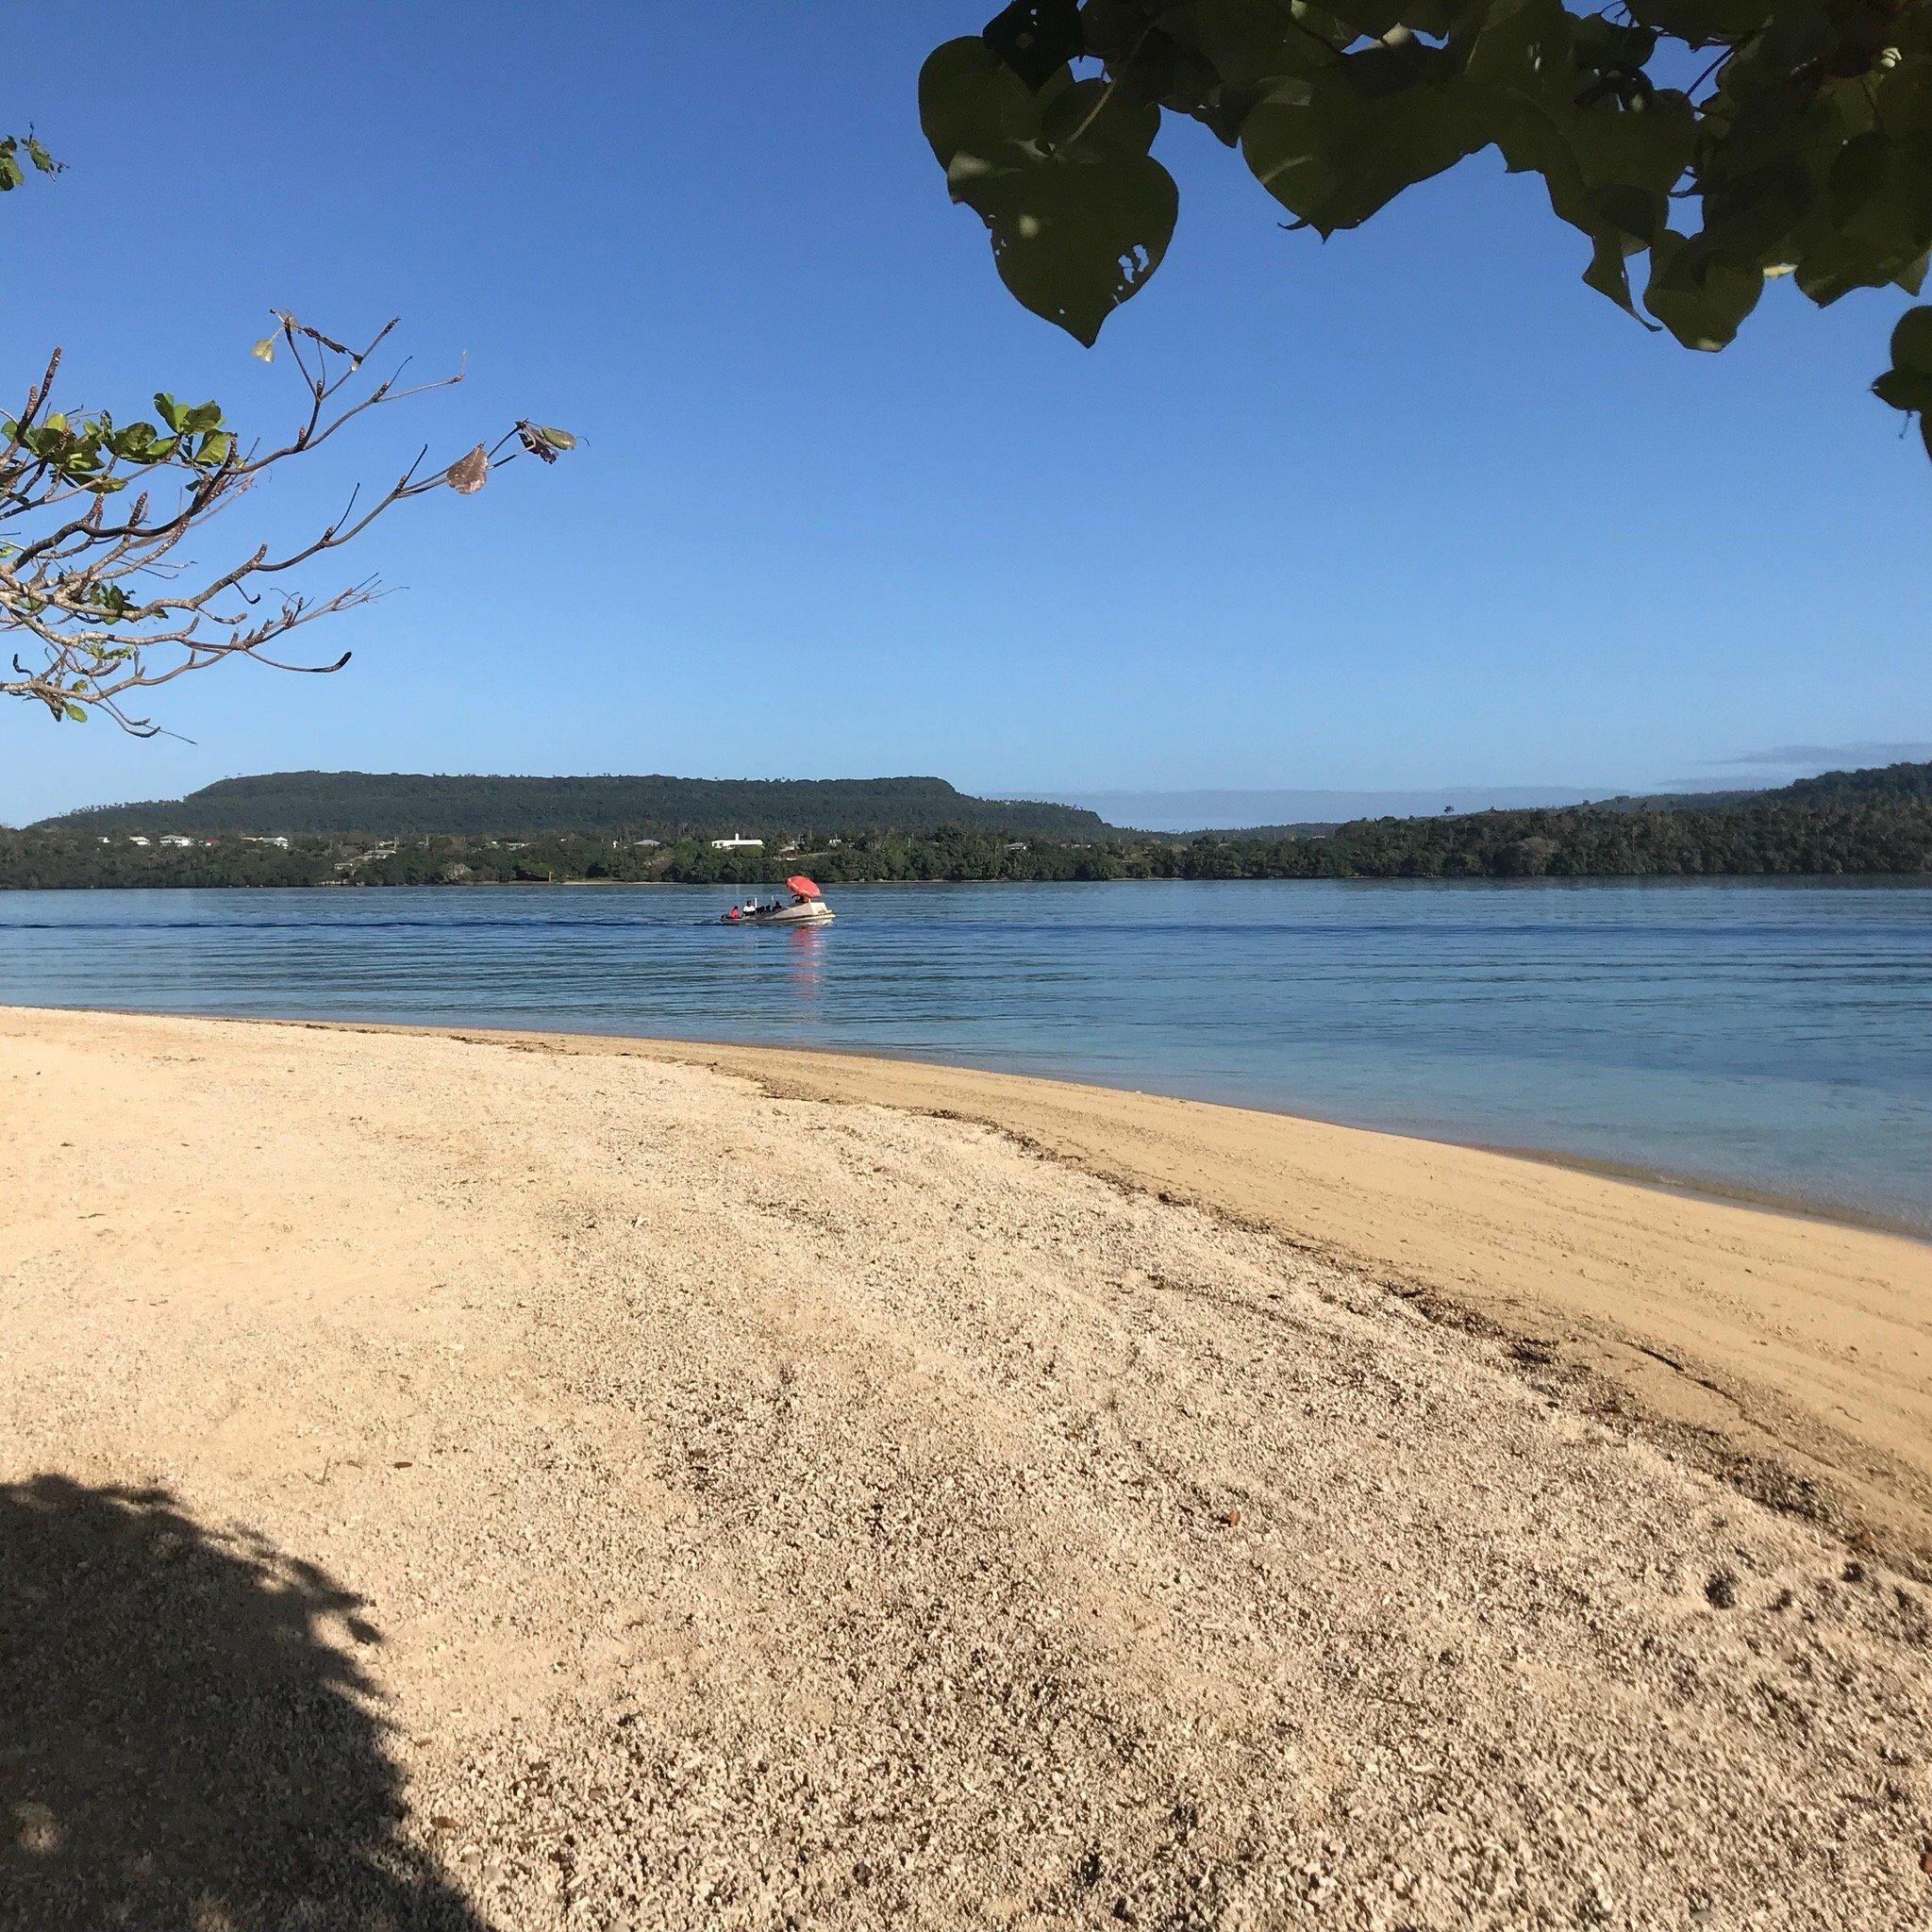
<point x="1647" y="146"/>
<point x="1176" y="77"/>
<point x="1037" y="38"/>
<point x="1072" y="240"/>
<point x="1095" y="114"/>
<point x="1904" y="389"/>
<point x="1872" y="223"/>
<point x="1601" y="44"/>
<point x="1832" y="264"/>
<point x="1911" y="343"/>
<point x="1249" y="46"/>
<point x="171" y="413"/>
<point x="77" y="712"/>
<point x="265" y="350"/>
<point x="974" y="110"/>
<point x="214" y="448"/>
<point x="203" y="416"/>
<point x="1702" y="23"/>
<point x="1699" y="295"/>
<point x="557" y="439"/>
<point x="1337" y="148"/>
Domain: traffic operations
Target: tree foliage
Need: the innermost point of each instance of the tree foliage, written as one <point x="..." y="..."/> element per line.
<point x="1872" y="822"/>
<point x="389" y="804"/>
<point x="96" y="585"/>
<point x="12" y="146"/>
<point x="1699" y="147"/>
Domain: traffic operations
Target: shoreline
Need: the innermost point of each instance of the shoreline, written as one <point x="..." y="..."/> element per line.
<point x="1677" y="1185"/>
<point x="1691" y="1186"/>
<point x="1685" y="1186"/>
<point x="1788" y="1352"/>
<point x="1512" y="881"/>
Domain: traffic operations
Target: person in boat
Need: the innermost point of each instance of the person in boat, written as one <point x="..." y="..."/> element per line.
<point x="805" y="900"/>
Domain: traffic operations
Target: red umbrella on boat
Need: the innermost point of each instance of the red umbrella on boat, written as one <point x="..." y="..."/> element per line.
<point x="803" y="887"/>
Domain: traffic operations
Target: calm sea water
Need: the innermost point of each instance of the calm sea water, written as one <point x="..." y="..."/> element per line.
<point x="1771" y="1035"/>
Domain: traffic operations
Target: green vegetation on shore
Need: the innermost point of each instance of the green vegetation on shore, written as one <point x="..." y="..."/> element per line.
<point x="1876" y="822"/>
<point x="414" y="805"/>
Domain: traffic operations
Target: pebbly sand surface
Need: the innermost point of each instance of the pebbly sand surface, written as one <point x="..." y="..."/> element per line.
<point x="455" y="1482"/>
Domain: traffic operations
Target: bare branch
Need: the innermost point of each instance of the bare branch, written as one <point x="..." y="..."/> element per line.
<point x="101" y="600"/>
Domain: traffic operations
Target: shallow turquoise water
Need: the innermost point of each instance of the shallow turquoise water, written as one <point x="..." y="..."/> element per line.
<point x="1769" y="1034"/>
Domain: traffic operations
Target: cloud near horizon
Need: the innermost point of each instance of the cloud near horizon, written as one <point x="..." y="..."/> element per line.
<point x="1870" y="752"/>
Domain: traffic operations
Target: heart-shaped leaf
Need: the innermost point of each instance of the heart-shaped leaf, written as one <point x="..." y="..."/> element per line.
<point x="1072" y="240"/>
<point x="1333" y="154"/>
<point x="970" y="103"/>
<point x="1699" y="295"/>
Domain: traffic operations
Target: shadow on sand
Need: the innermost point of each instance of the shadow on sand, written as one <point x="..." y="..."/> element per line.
<point x="187" y="1742"/>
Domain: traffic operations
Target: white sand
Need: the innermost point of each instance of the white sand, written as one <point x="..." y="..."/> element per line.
<point x="583" y="1491"/>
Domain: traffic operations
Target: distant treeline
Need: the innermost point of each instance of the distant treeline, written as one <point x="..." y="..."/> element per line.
<point x="1868" y="822"/>
<point x="418" y="805"/>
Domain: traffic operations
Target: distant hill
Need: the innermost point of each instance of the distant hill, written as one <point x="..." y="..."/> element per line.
<point x="397" y="804"/>
<point x="1255" y="814"/>
<point x="1306" y="831"/>
<point x="1642" y="801"/>
<point x="1220" y="812"/>
<point x="1874" y="823"/>
<point x="1683" y="801"/>
<point x="400" y="803"/>
<point x="1828" y="787"/>
<point x="1849" y="788"/>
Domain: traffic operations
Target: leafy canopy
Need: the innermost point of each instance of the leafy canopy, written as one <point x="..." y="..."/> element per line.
<point x="1699" y="146"/>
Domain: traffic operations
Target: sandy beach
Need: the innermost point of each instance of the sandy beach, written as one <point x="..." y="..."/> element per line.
<point x="498" y="1481"/>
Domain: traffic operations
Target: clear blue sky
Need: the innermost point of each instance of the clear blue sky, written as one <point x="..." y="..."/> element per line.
<point x="1410" y="509"/>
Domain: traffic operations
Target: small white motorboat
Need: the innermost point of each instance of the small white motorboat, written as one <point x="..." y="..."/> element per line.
<point x="806" y="906"/>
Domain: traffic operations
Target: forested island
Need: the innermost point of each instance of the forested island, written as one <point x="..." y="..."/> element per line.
<point x="1874" y="822"/>
<point x="484" y="805"/>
